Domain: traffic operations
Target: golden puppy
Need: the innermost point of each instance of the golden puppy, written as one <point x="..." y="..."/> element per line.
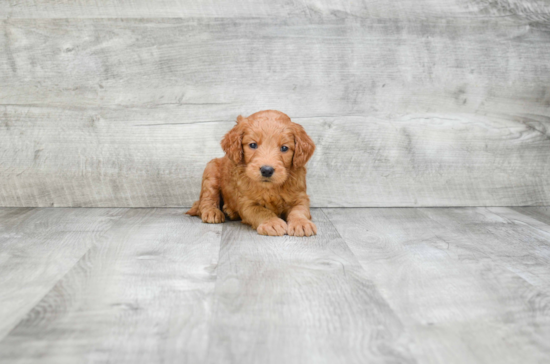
<point x="262" y="177"/>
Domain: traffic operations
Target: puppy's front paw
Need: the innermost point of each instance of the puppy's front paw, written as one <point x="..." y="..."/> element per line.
<point x="301" y="227"/>
<point x="213" y="216"/>
<point x="273" y="227"/>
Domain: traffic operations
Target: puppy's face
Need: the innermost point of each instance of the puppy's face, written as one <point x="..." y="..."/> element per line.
<point x="270" y="145"/>
<point x="268" y="152"/>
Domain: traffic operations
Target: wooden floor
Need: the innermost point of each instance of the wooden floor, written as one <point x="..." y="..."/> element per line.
<point x="392" y="285"/>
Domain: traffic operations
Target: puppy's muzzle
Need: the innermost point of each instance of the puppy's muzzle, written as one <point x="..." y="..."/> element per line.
<point x="267" y="171"/>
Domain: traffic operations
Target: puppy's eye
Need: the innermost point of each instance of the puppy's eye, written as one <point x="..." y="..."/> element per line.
<point x="284" y="148"/>
<point x="253" y="145"/>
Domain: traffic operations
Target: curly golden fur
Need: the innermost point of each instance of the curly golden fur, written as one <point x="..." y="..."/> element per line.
<point x="262" y="177"/>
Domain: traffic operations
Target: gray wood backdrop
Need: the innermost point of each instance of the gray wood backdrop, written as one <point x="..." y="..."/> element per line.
<point x="411" y="103"/>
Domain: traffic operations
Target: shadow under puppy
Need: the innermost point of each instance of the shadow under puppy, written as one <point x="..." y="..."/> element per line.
<point x="262" y="177"/>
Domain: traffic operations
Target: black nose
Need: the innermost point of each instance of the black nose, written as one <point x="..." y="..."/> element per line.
<point x="267" y="171"/>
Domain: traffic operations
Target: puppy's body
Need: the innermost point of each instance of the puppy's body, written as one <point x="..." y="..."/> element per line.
<point x="262" y="177"/>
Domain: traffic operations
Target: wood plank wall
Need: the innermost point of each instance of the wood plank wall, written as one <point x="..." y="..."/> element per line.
<point x="411" y="103"/>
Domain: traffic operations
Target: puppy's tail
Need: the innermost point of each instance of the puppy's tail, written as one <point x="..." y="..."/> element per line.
<point x="194" y="211"/>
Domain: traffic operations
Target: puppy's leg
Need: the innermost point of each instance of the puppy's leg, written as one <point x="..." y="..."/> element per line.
<point x="194" y="210"/>
<point x="209" y="202"/>
<point x="263" y="220"/>
<point x="299" y="219"/>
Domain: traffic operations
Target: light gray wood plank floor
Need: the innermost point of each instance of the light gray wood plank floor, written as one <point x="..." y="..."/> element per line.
<point x="399" y="285"/>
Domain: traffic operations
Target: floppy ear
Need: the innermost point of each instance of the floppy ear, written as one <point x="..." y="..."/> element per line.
<point x="304" y="146"/>
<point x="232" y="143"/>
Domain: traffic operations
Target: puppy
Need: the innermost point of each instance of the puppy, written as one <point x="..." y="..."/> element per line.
<point x="262" y="177"/>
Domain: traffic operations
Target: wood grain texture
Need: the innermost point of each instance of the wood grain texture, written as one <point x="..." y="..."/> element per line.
<point x="391" y="285"/>
<point x="469" y="285"/>
<point x="422" y="160"/>
<point x="541" y="213"/>
<point x="306" y="67"/>
<point x="38" y="247"/>
<point x="530" y="9"/>
<point x="142" y="296"/>
<point x="298" y="300"/>
<point x="126" y="112"/>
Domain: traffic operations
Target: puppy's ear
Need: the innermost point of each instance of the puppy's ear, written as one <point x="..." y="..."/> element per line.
<point x="232" y="143"/>
<point x="304" y="147"/>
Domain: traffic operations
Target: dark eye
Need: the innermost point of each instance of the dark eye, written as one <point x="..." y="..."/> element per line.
<point x="284" y="148"/>
<point x="253" y="145"/>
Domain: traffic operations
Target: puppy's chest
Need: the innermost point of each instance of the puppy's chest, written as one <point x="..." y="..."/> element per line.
<point x="273" y="202"/>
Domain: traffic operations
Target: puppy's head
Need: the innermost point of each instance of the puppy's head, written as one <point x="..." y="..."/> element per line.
<point x="269" y="144"/>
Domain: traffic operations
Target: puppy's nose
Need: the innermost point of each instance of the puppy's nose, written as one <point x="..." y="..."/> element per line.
<point x="267" y="171"/>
